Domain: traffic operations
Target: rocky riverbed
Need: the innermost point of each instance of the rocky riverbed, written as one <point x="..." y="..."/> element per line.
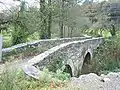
<point x="92" y="81"/>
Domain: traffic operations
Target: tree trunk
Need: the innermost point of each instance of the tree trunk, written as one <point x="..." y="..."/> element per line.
<point x="61" y="20"/>
<point x="71" y="32"/>
<point x="43" y="33"/>
<point x="61" y="29"/>
<point x="112" y="31"/>
<point x="68" y="31"/>
<point x="64" y="30"/>
<point x="49" y="19"/>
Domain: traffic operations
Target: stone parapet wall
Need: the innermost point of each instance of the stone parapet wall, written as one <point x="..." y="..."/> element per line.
<point x="40" y="45"/>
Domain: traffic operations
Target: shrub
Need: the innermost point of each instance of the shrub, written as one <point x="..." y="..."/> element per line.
<point x="9" y="80"/>
<point x="107" y="57"/>
<point x="17" y="80"/>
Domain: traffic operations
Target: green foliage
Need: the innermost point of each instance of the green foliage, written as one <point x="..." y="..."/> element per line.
<point x="54" y="17"/>
<point x="16" y="80"/>
<point x="9" y="81"/>
<point x="97" y="32"/>
<point x="56" y="63"/>
<point x="62" y="75"/>
<point x="107" y="57"/>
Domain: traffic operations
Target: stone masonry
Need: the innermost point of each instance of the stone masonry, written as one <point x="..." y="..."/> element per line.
<point x="71" y="53"/>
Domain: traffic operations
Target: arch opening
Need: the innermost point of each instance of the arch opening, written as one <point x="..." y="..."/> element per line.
<point x="68" y="69"/>
<point x="86" y="64"/>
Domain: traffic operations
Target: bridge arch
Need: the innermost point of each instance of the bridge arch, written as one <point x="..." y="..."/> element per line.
<point x="68" y="69"/>
<point x="86" y="63"/>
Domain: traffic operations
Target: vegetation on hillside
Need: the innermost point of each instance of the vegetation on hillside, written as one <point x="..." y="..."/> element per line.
<point x="107" y="57"/>
<point x="57" y="18"/>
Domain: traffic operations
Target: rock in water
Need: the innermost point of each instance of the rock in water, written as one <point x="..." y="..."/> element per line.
<point x="31" y="71"/>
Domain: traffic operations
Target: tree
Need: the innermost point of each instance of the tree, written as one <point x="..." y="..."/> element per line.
<point x="18" y="35"/>
<point x="49" y="18"/>
<point x="66" y="20"/>
<point x="43" y="33"/>
<point x="61" y="18"/>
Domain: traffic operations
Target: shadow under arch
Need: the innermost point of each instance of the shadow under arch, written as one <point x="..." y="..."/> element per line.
<point x="68" y="70"/>
<point x="86" y="64"/>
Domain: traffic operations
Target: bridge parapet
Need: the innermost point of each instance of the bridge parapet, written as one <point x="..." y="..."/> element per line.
<point x="40" y="45"/>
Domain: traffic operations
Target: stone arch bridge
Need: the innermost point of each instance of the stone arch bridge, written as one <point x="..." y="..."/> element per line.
<point x="73" y="55"/>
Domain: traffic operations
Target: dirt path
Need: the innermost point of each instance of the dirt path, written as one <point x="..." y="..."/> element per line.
<point x="14" y="64"/>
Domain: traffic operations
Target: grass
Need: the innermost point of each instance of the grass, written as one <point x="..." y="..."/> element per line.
<point x="17" y="80"/>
